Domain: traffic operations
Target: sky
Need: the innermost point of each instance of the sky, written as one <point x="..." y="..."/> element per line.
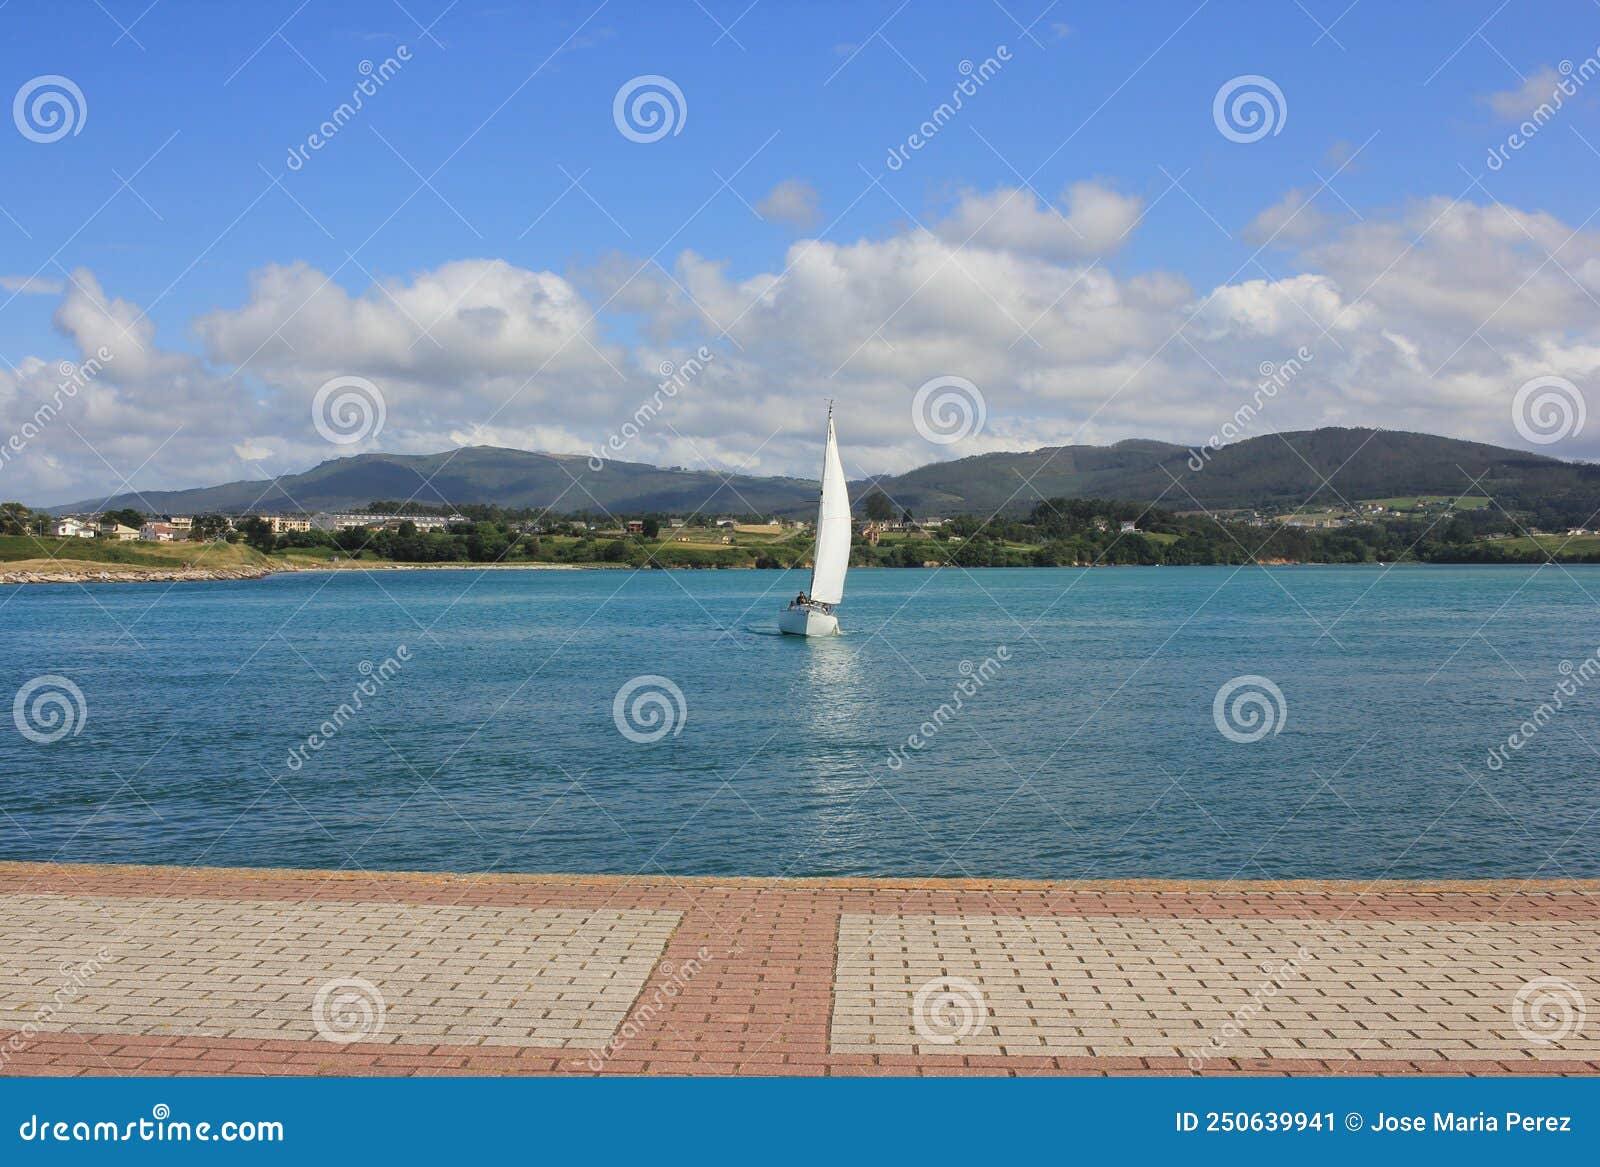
<point x="238" y="240"/>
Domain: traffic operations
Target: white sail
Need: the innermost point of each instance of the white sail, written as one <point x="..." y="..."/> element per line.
<point x="832" y="555"/>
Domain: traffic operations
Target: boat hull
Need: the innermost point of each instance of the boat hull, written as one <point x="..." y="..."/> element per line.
<point x="807" y="622"/>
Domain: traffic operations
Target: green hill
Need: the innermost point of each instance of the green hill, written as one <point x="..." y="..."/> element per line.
<point x="1324" y="466"/>
<point x="478" y="474"/>
<point x="1330" y="465"/>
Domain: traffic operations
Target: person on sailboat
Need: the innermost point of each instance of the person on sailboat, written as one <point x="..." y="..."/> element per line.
<point x="799" y="601"/>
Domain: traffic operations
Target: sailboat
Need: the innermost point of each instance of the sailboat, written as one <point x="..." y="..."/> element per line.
<point x="831" y="557"/>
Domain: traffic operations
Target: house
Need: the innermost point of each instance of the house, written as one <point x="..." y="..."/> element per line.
<point x="635" y="526"/>
<point x="119" y="532"/>
<point x="282" y="523"/>
<point x="73" y="529"/>
<point x="1129" y="528"/>
<point x="156" y="532"/>
<point x="182" y="525"/>
<point x="350" y="520"/>
<point x="674" y="523"/>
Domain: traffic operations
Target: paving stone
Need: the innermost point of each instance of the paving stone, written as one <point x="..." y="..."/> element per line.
<point x="985" y="980"/>
<point x="131" y="968"/>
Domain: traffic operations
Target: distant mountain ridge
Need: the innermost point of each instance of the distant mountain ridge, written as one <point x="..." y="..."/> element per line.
<point x="1276" y="470"/>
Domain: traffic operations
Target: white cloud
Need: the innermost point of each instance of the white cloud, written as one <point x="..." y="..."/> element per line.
<point x="792" y="201"/>
<point x="1520" y="102"/>
<point x="30" y="286"/>
<point x="1428" y="318"/>
<point x="1097" y="220"/>
<point x="1294" y="218"/>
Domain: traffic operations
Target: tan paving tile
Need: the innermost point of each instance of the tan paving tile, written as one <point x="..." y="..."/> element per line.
<point x="1211" y="989"/>
<point x="254" y="968"/>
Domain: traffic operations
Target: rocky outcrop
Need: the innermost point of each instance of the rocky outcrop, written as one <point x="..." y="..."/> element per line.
<point x="133" y="575"/>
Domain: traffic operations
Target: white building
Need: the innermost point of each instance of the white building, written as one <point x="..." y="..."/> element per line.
<point x="282" y="523"/>
<point x="156" y="532"/>
<point x="74" y="529"/>
<point x="350" y="520"/>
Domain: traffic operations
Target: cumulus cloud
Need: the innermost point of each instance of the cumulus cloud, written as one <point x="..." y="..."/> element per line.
<point x="1293" y="218"/>
<point x="1096" y="220"/>
<point x="1428" y="318"/>
<point x="1521" y="101"/>
<point x="792" y="201"/>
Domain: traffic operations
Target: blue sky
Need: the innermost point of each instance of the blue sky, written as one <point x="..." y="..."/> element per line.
<point x="502" y="107"/>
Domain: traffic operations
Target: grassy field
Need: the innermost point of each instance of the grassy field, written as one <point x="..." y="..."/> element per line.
<point x="1416" y="502"/>
<point x="1565" y="545"/>
<point x="70" y="552"/>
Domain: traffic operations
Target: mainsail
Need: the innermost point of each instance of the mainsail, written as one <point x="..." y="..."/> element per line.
<point x="833" y="527"/>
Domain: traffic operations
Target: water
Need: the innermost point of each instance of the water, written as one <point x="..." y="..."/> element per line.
<point x="1091" y="752"/>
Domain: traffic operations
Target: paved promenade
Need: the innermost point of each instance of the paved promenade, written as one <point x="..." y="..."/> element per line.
<point x="119" y="970"/>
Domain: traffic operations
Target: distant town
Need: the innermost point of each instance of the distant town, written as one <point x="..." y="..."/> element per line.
<point x="1055" y="533"/>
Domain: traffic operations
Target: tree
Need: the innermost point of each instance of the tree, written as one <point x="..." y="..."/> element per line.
<point x="127" y="516"/>
<point x="13" y="518"/>
<point x="877" y="506"/>
<point x="258" y="533"/>
<point x="652" y="528"/>
<point x="207" y="528"/>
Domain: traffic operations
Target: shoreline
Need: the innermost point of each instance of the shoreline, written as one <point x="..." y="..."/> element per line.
<point x="12" y="870"/>
<point x="92" y="572"/>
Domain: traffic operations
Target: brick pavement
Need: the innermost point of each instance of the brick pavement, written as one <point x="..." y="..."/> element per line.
<point x="126" y="970"/>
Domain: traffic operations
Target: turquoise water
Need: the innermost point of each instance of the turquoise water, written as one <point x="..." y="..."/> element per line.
<point x="1092" y="751"/>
